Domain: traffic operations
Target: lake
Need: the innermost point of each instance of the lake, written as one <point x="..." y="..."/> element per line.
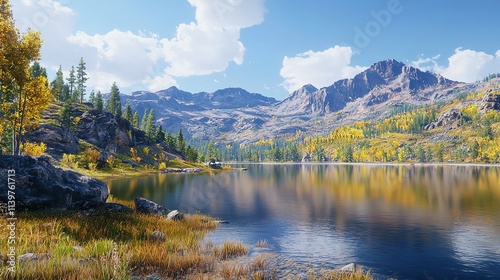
<point x="402" y="221"/>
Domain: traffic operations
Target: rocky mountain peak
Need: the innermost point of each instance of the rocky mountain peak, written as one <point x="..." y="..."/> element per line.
<point x="388" y="68"/>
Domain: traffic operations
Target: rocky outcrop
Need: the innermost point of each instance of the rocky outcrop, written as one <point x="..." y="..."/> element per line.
<point x="448" y="118"/>
<point x="105" y="131"/>
<point x="57" y="141"/>
<point x="489" y="102"/>
<point x="40" y="185"/>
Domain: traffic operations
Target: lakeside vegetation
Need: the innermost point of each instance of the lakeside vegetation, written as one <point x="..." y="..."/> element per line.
<point x="460" y="130"/>
<point x="110" y="245"/>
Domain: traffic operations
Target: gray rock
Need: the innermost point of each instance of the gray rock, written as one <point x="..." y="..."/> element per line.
<point x="158" y="236"/>
<point x="352" y="267"/>
<point x="449" y="117"/>
<point x="116" y="208"/>
<point x="145" y="206"/>
<point x="489" y="102"/>
<point x="40" y="185"/>
<point x="57" y="141"/>
<point x="34" y="257"/>
<point x="175" y="215"/>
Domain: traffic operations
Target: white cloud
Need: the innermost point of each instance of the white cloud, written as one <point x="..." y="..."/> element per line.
<point x="229" y="13"/>
<point x="210" y="44"/>
<point x="199" y="48"/>
<point x="120" y="54"/>
<point x="464" y="65"/>
<point x="160" y="82"/>
<point x="320" y="69"/>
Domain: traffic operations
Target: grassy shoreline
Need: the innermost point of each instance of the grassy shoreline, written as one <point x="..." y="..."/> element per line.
<point x="108" y="245"/>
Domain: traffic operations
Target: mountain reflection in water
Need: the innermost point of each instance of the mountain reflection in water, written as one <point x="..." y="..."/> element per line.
<point x="403" y="221"/>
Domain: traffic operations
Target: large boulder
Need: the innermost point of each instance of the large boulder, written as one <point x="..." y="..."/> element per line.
<point x="40" y="185"/>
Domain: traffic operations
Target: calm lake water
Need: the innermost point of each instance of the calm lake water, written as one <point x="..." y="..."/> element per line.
<point x="406" y="222"/>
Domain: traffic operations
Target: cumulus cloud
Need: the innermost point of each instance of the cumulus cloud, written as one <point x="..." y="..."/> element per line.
<point x="202" y="50"/>
<point x="210" y="44"/>
<point x="122" y="54"/>
<point x="203" y="47"/>
<point x="320" y="69"/>
<point x="53" y="20"/>
<point x="464" y="65"/>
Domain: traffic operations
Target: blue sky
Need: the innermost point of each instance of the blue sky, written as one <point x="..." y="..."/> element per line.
<point x="267" y="46"/>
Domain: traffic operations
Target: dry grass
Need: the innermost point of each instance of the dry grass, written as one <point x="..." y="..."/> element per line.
<point x="230" y="250"/>
<point x="105" y="246"/>
<point x="262" y="243"/>
<point x="117" y="246"/>
<point x="341" y="275"/>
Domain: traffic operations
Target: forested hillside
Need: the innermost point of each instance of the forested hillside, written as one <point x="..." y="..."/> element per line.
<point x="463" y="129"/>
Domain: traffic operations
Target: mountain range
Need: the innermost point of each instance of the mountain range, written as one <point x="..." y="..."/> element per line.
<point x="236" y="115"/>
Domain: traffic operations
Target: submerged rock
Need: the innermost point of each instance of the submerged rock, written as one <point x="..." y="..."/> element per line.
<point x="40" y="185"/>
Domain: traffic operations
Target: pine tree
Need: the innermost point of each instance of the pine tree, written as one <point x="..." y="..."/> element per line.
<point x="170" y="139"/>
<point x="191" y="154"/>
<point x="114" y="104"/>
<point x="57" y="86"/>
<point x="181" y="145"/>
<point x="127" y="114"/>
<point x="144" y="120"/>
<point x="135" y="119"/>
<point x="150" y="125"/>
<point x="159" y="135"/>
<point x="66" y="115"/>
<point x="81" y="78"/>
<point x="71" y="83"/>
<point x="98" y="104"/>
<point x="92" y="97"/>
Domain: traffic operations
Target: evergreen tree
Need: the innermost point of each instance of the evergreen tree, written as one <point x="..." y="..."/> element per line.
<point x="181" y="145"/>
<point x="191" y="154"/>
<point x="144" y="120"/>
<point x="57" y="85"/>
<point x="212" y="152"/>
<point x="114" y="104"/>
<point x="38" y="71"/>
<point x="127" y="114"/>
<point x="170" y="139"/>
<point x="98" y="104"/>
<point x="92" y="97"/>
<point x="71" y="83"/>
<point x="150" y="125"/>
<point x="81" y="78"/>
<point x="159" y="135"/>
<point x="65" y="93"/>
<point x="135" y="119"/>
<point x="66" y="114"/>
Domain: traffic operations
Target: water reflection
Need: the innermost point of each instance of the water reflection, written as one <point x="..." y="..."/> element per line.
<point x="404" y="221"/>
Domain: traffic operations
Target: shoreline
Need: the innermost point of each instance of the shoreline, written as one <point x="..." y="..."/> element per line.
<point x="424" y="164"/>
